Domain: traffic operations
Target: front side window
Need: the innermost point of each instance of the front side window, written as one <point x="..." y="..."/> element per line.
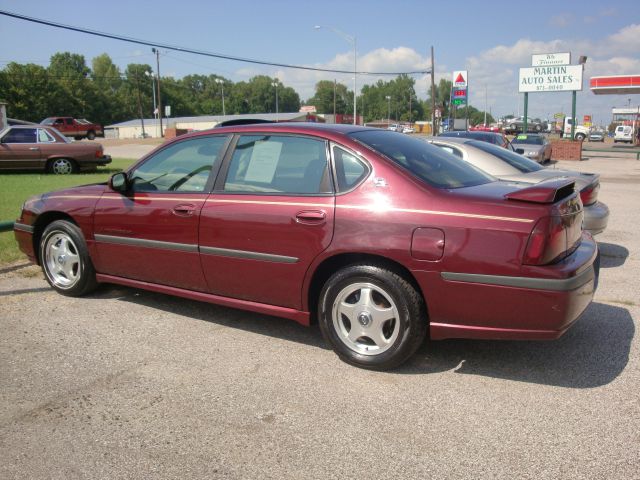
<point x="427" y="162"/>
<point x="21" y="135"/>
<point x="182" y="167"/>
<point x="278" y="164"/>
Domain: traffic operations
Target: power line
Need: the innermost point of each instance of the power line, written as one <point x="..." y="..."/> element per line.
<point x="195" y="52"/>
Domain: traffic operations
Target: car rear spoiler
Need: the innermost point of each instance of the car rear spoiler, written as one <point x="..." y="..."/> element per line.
<point x="549" y="191"/>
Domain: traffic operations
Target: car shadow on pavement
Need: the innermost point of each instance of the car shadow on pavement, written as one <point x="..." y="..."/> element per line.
<point x="612" y="255"/>
<point x="591" y="354"/>
<point x="229" y="317"/>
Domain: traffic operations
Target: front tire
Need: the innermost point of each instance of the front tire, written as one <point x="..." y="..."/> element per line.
<point x="91" y="135"/>
<point x="62" y="166"/>
<point x="580" y="137"/>
<point x="372" y="317"/>
<point x="65" y="259"/>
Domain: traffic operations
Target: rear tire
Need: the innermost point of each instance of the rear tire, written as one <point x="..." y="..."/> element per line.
<point x="580" y="137"/>
<point x="91" y="135"/>
<point x="62" y="166"/>
<point x="65" y="259"/>
<point x="372" y="317"/>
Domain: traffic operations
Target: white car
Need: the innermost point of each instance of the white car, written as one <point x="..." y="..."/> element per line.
<point x="623" y="133"/>
<point x="408" y="129"/>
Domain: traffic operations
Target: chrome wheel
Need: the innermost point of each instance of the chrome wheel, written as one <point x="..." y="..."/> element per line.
<point x="62" y="261"/>
<point x="62" y="166"/>
<point x="365" y="318"/>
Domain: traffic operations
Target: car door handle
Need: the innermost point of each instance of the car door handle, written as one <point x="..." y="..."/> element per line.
<point x="184" y="210"/>
<point x="33" y="148"/>
<point x="311" y="216"/>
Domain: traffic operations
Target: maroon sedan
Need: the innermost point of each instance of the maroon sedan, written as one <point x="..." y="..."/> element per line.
<point x="378" y="236"/>
<point x="38" y="147"/>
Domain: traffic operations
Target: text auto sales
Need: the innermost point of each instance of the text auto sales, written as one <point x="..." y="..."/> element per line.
<point x="549" y="75"/>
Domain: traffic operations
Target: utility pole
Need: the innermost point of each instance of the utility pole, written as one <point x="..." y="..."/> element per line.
<point x="157" y="52"/>
<point x="433" y="98"/>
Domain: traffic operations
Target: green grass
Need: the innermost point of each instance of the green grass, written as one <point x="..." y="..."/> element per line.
<point x="15" y="188"/>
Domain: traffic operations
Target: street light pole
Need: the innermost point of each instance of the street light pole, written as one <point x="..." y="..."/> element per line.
<point x="388" y="97"/>
<point x="157" y="52"/>
<point x="153" y="91"/>
<point x="353" y="41"/>
<point x="221" y="83"/>
<point x="275" y="84"/>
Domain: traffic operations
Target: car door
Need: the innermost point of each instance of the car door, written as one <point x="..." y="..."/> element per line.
<point x="271" y="213"/>
<point x="19" y="149"/>
<point x="150" y="233"/>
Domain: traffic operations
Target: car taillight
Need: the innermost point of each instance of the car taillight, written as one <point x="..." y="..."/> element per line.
<point x="547" y="242"/>
<point x="589" y="194"/>
<point x="99" y="153"/>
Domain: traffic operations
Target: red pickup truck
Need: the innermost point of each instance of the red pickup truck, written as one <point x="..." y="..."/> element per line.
<point x="76" y="128"/>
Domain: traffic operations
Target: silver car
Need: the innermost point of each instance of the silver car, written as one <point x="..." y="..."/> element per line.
<point x="533" y="146"/>
<point x="509" y="166"/>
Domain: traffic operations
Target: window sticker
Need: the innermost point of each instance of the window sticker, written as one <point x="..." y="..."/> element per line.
<point x="263" y="163"/>
<point x="521" y="137"/>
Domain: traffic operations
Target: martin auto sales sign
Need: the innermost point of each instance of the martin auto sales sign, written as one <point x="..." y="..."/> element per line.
<point x="546" y="75"/>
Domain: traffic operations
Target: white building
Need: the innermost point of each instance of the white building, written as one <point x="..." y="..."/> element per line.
<point x="133" y="128"/>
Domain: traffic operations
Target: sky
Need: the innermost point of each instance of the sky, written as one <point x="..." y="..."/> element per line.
<point x="491" y="40"/>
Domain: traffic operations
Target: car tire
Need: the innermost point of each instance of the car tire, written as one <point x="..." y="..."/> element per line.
<point x="91" y="135"/>
<point x="62" y="166"/>
<point x="65" y="259"/>
<point x="580" y="137"/>
<point x="372" y="317"/>
<point x="538" y="128"/>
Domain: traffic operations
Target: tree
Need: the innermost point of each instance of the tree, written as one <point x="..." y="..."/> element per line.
<point x="326" y="91"/>
<point x="75" y="94"/>
<point x="402" y="104"/>
<point x="27" y="91"/>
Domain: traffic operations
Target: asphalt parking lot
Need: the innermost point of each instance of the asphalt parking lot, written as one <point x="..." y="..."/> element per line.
<point x="132" y="384"/>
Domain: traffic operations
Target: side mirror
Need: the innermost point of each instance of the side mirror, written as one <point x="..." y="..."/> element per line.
<point x="119" y="182"/>
<point x="520" y="151"/>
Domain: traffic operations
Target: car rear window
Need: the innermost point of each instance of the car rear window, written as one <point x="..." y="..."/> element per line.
<point x="515" y="160"/>
<point x="528" y="140"/>
<point x="427" y="162"/>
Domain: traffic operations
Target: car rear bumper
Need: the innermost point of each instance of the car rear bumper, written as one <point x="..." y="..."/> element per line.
<point x="92" y="164"/>
<point x="596" y="217"/>
<point x="512" y="308"/>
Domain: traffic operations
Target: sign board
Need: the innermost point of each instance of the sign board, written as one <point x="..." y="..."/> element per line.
<point x="167" y="110"/>
<point x="550" y="59"/>
<point x="550" y="79"/>
<point x="459" y="79"/>
<point x="308" y="109"/>
<point x="460" y="93"/>
<point x="459" y="101"/>
<point x="558" y="115"/>
<point x="586" y="119"/>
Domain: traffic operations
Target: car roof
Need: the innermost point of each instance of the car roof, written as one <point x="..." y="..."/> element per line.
<point x="287" y="127"/>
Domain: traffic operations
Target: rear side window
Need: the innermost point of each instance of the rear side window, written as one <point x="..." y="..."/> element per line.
<point x="427" y="162"/>
<point x="279" y="164"/>
<point x="350" y="170"/>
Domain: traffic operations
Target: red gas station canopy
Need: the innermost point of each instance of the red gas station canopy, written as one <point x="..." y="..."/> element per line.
<point x="615" y="85"/>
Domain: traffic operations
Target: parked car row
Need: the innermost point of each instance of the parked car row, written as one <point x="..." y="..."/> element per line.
<point x="379" y="237"/>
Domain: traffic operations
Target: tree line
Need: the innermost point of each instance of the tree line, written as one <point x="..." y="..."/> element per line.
<point x="104" y="94"/>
